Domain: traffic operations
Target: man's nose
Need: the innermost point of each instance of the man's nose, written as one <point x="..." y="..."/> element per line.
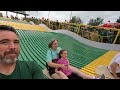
<point x="11" y="45"/>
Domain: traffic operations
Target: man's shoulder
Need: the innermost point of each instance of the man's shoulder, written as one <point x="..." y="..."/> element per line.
<point x="28" y="64"/>
<point x="25" y="62"/>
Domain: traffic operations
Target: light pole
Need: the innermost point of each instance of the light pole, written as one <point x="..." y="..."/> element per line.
<point x="16" y="15"/>
<point x="70" y="15"/>
<point x="48" y="18"/>
<point x="6" y="14"/>
<point x="37" y="14"/>
<point x="28" y="12"/>
<point x="48" y="15"/>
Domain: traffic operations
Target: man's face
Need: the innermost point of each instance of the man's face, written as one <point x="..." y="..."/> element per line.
<point x="9" y="47"/>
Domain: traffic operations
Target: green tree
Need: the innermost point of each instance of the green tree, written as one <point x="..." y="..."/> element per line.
<point x="73" y="20"/>
<point x="96" y="22"/>
<point x="76" y="20"/>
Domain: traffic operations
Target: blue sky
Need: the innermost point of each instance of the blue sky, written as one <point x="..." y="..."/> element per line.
<point x="65" y="15"/>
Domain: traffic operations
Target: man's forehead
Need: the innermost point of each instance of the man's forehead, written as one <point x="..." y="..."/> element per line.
<point x="6" y="34"/>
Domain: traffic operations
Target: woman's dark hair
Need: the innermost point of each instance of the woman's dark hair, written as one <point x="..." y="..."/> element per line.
<point x="61" y="51"/>
<point x="8" y="28"/>
<point x="51" y="42"/>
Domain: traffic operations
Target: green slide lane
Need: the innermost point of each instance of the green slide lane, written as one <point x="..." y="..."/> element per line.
<point x="34" y="45"/>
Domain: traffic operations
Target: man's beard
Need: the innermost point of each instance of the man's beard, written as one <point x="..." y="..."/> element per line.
<point x="7" y="60"/>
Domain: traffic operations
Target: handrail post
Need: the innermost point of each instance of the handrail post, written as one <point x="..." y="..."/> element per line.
<point x="116" y="37"/>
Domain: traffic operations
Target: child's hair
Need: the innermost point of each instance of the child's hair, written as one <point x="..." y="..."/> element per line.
<point x="51" y="42"/>
<point x="61" y="51"/>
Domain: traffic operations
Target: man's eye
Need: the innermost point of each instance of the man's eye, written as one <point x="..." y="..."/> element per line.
<point x="4" y="42"/>
<point x="16" y="42"/>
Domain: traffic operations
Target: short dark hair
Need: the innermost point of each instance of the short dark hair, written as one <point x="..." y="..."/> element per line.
<point x="51" y="42"/>
<point x="61" y="51"/>
<point x="8" y="28"/>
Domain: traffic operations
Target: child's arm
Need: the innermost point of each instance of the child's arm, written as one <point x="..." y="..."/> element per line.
<point x="56" y="70"/>
<point x="61" y="74"/>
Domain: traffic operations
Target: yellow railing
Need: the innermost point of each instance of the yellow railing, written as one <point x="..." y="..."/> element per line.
<point x="116" y="37"/>
<point x="68" y="26"/>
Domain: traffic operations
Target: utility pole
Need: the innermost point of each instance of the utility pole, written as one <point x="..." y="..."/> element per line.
<point x="16" y="15"/>
<point x="37" y="14"/>
<point x="70" y="15"/>
<point x="48" y="18"/>
<point x="6" y="14"/>
<point x="48" y="15"/>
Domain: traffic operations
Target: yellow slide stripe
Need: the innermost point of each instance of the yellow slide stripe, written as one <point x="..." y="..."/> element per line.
<point x="23" y="26"/>
<point x="102" y="60"/>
